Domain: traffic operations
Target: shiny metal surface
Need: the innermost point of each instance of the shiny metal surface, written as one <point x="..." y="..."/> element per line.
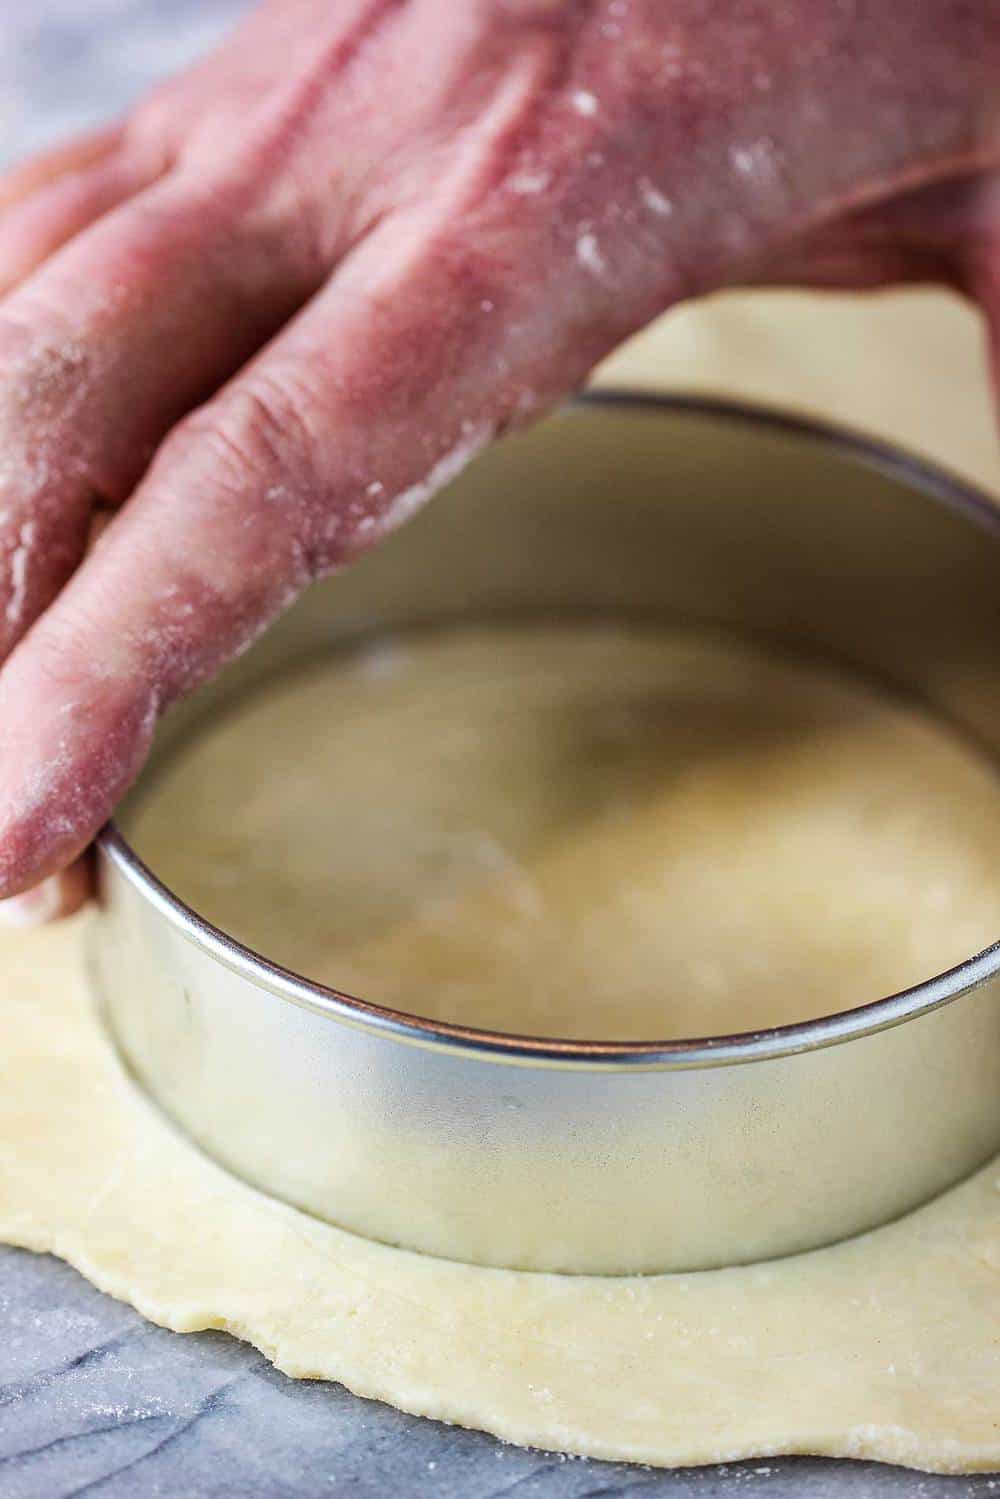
<point x="590" y="1157"/>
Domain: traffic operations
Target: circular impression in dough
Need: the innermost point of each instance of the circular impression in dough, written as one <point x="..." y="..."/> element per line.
<point x="598" y="831"/>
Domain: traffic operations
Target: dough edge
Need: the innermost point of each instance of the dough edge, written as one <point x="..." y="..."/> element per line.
<point x="884" y="1348"/>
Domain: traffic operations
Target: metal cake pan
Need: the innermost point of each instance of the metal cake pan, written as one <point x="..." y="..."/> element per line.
<point x="588" y="1157"/>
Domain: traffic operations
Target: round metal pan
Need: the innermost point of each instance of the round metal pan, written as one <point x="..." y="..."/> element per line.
<point x="594" y="1157"/>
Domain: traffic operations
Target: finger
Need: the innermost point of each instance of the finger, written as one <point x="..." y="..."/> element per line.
<point x="63" y="893"/>
<point x="60" y="895"/>
<point x="38" y="223"/>
<point x="374" y="397"/>
<point x="102" y="348"/>
<point x="20" y="181"/>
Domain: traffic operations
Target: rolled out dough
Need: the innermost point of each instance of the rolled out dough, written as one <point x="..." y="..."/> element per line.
<point x="887" y="1347"/>
<point x="585" y="830"/>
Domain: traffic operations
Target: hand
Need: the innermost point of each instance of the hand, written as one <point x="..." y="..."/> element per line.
<point x="288" y="298"/>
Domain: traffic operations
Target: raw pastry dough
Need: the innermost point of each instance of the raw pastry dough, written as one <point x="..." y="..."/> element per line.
<point x="599" y="831"/>
<point x="885" y="1347"/>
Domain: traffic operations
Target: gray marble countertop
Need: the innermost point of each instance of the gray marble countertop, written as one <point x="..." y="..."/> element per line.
<point x="93" y="1399"/>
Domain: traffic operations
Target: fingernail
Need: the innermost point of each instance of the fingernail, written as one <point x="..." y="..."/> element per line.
<point x="35" y="907"/>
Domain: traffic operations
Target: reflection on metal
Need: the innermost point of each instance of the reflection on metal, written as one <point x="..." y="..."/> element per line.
<point x="599" y="1157"/>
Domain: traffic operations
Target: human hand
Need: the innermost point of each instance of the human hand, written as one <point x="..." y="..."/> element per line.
<point x="288" y="297"/>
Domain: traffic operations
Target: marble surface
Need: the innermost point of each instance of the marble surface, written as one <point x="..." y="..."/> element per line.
<point x="94" y="1400"/>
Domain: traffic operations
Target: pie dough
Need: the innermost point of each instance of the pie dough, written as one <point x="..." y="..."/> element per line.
<point x="603" y="831"/>
<point x="885" y="1347"/>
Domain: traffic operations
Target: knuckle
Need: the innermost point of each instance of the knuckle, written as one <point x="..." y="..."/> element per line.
<point x="248" y="468"/>
<point x="274" y="411"/>
<point x="44" y="367"/>
<point x="56" y="653"/>
<point x="250" y="436"/>
<point x="153" y="128"/>
<point x="39" y="346"/>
